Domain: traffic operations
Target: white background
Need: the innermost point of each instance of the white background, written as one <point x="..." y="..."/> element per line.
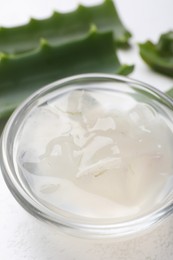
<point x="22" y="236"/>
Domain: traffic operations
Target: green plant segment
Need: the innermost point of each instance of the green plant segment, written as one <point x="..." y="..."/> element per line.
<point x="22" y="74"/>
<point x="159" y="56"/>
<point x="63" y="28"/>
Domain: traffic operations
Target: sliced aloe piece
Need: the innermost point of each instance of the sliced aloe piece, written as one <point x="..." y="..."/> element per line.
<point x="159" y="56"/>
<point x="21" y="74"/>
<point x="63" y="28"/>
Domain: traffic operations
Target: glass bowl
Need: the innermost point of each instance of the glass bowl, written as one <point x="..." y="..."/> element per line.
<point x="81" y="225"/>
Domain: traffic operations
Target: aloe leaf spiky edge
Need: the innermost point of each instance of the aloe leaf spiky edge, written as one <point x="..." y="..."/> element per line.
<point x="63" y="28"/>
<point x="22" y="74"/>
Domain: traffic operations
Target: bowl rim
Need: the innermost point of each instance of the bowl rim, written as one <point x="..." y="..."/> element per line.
<point x="79" y="228"/>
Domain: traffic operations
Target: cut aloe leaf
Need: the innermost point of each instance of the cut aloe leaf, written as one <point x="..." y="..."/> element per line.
<point x="22" y="74"/>
<point x="159" y="56"/>
<point x="63" y="28"/>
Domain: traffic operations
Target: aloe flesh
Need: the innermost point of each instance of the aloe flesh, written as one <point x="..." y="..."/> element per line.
<point x="170" y="92"/>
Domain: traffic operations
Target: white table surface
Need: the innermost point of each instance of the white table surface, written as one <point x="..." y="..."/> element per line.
<point x="22" y="236"/>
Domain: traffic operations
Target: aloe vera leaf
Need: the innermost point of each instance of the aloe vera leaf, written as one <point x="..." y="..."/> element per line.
<point x="63" y="28"/>
<point x="159" y="56"/>
<point x="22" y="74"/>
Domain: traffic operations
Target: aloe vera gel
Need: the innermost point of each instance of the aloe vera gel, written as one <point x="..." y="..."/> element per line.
<point x="97" y="154"/>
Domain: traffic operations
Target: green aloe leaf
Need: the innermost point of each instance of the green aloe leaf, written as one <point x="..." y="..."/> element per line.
<point x="63" y="28"/>
<point x="21" y="74"/>
<point x="159" y="56"/>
